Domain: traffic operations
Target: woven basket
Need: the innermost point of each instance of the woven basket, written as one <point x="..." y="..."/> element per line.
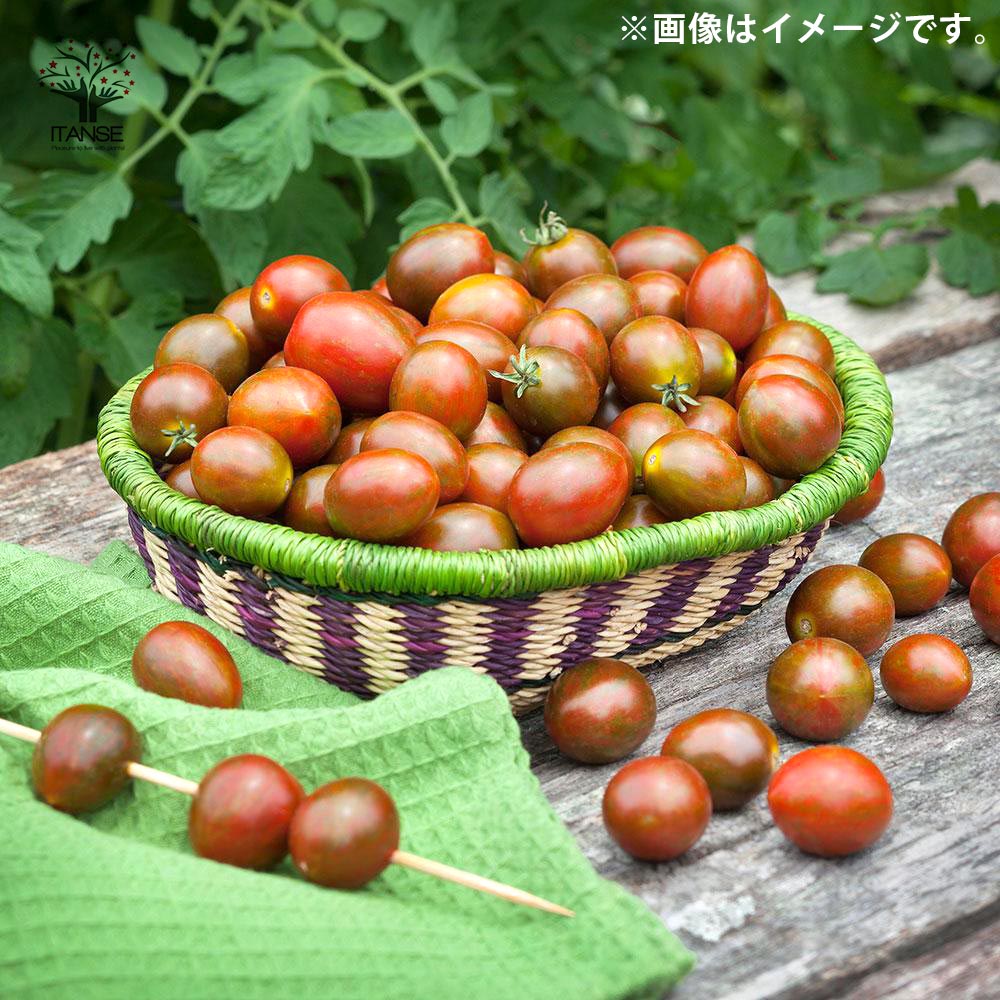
<point x="368" y="617"/>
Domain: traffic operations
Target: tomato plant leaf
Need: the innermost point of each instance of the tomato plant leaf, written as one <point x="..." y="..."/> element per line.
<point x="969" y="255"/>
<point x="358" y="24"/>
<point x="168" y="46"/>
<point x="791" y="241"/>
<point x="500" y="202"/>
<point x="22" y="275"/>
<point x="423" y="212"/>
<point x="856" y="177"/>
<point x="441" y="96"/>
<point x="237" y="241"/>
<point x="373" y="134"/>
<point x="468" y="131"/>
<point x="432" y="34"/>
<point x="876" y="276"/>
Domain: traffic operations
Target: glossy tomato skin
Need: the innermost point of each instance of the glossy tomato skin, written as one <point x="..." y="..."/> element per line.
<point x="492" y="468"/>
<point x="304" y="509"/>
<point x="599" y="711"/>
<point x="236" y="308"/>
<point x="242" y="812"/>
<point x="638" y="511"/>
<point x="862" y="505"/>
<point x="648" y="354"/>
<point x="348" y="441"/>
<point x="379" y="287"/>
<point x="173" y="399"/>
<point x="489" y="347"/>
<point x="567" y="494"/>
<point x="284" y="287"/>
<point x="691" y="472"/>
<point x="849" y="603"/>
<point x="424" y="436"/>
<point x="926" y="673"/>
<point x="210" y="341"/>
<point x="465" y="527"/>
<point x="715" y="416"/>
<point x="760" y="486"/>
<point x="775" y="309"/>
<point x="433" y="260"/>
<point x="788" y="364"/>
<point x="640" y="426"/>
<point x="658" y="248"/>
<point x="179" y="479"/>
<point x="656" y="808"/>
<point x="185" y="661"/>
<point x="972" y="536"/>
<point x="497" y="427"/>
<point x="801" y="340"/>
<point x="354" y="343"/>
<point x="242" y="470"/>
<point x="984" y="599"/>
<point x="381" y="495"/>
<point x="509" y="267"/>
<point x="820" y="689"/>
<point x="78" y="764"/>
<point x="607" y="301"/>
<point x="728" y="293"/>
<point x="733" y="751"/>
<point x="492" y="299"/>
<point x="551" y="265"/>
<point x="788" y="426"/>
<point x="660" y="294"/>
<point x="276" y="360"/>
<point x="718" y="362"/>
<point x="830" y="801"/>
<point x="295" y="406"/>
<point x="573" y="332"/>
<point x="916" y="570"/>
<point x="594" y="435"/>
<point x="444" y="382"/>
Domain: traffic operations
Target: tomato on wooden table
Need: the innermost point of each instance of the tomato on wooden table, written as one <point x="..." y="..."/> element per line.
<point x="728" y="293"/>
<point x="787" y="364"/>
<point x="984" y="599"/>
<point x="864" y="503"/>
<point x="210" y="341"/>
<point x="638" y="511"/>
<point x="284" y="287"/>
<point x="489" y="347"/>
<point x="559" y="254"/>
<point x="715" y="416"/>
<point x="465" y="527"/>
<point x="658" y="248"/>
<point x="607" y="301"/>
<point x="760" y="486"/>
<point x="304" y="508"/>
<point x="639" y="427"/>
<point x="655" y="359"/>
<point x="236" y="308"/>
<point x="972" y="536"/>
<point x="660" y="294"/>
<point x="497" y="427"/>
<point x="492" y="299"/>
<point x="348" y="441"/>
<point x="916" y="570"/>
<point x="573" y="332"/>
<point x="799" y="339"/>
<point x="926" y="673"/>
<point x="718" y="362"/>
<point x="492" y="467"/>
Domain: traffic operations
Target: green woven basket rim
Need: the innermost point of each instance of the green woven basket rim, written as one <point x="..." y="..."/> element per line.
<point x="362" y="567"/>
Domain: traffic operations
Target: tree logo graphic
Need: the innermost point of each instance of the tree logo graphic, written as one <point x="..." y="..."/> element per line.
<point x="89" y="75"/>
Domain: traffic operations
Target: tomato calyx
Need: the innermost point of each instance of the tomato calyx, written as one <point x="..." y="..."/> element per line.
<point x="183" y="434"/>
<point x="525" y="373"/>
<point x="675" y="394"/>
<point x="551" y="229"/>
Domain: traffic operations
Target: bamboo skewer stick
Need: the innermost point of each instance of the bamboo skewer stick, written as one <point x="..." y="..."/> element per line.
<point x="435" y="868"/>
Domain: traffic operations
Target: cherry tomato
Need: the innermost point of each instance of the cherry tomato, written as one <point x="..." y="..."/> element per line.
<point x="781" y="485"/>
<point x="916" y="570"/>
<point x="380" y="287"/>
<point x="715" y="416"/>
<point x="497" y="427"/>
<point x="609" y="408"/>
<point x="424" y="436"/>
<point x="465" y="527"/>
<point x="491" y="469"/>
<point x="492" y="299"/>
<point x="185" y="661"/>
<point x="658" y="248"/>
<point x="926" y="673"/>
<point x="788" y="425"/>
<point x="242" y="812"/>
<point x="863" y="504"/>
<point x="690" y="472"/>
<point x="345" y="833"/>
<point x="718" y="362"/>
<point x="788" y="364"/>
<point x="733" y="751"/>
<point x="638" y="512"/>
<point x="546" y="389"/>
<point x="433" y="260"/>
<point x="656" y="807"/>
<point x="559" y="254"/>
<point x="295" y="406"/>
<point x="972" y="536"/>
<point x="175" y="407"/>
<point x="210" y="341"/>
<point x="849" y="603"/>
<point x="607" y="301"/>
<point x="488" y="346"/>
<point x="641" y="426"/>
<point x="573" y="332"/>
<point x="382" y="495"/>
<point x="275" y="361"/>
<point x="984" y="599"/>
<point x="660" y="294"/>
<point x="179" y="478"/>
<point x="728" y="293"/>
<point x="654" y="359"/>
<point x="408" y="320"/>
<point x="348" y="441"/>
<point x="801" y="340"/>
<point x="79" y="761"/>
<point x="830" y="801"/>
<point x="285" y="286"/>
<point x="775" y="309"/>
<point x="594" y="435"/>
<point x="354" y="344"/>
<point x="599" y="711"/>
<point x="242" y="470"/>
<point x="236" y="308"/>
<point x="569" y="493"/>
<point x="444" y="382"/>
<point x="760" y="486"/>
<point x="304" y="508"/>
<point x="509" y="267"/>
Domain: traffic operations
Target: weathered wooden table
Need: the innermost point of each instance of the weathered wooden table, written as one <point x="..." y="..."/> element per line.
<point x="918" y="916"/>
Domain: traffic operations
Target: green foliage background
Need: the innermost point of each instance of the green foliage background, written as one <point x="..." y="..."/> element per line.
<point x="260" y="128"/>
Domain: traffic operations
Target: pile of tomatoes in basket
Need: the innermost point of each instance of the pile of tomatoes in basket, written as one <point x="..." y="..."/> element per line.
<point x="469" y="401"/>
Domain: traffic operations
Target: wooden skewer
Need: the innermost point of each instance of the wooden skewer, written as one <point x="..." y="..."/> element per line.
<point x="436" y="868"/>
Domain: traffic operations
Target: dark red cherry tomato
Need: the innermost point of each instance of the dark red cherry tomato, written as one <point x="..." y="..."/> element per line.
<point x="381" y="495"/>
<point x="849" y="603"/>
<point x="210" y="341"/>
<point x="599" y="711"/>
<point x="242" y="470"/>
<point x="345" y="833"/>
<point x="715" y="416"/>
<point x="491" y="469"/>
<point x="801" y="340"/>
<point x="185" y="661"/>
<point x="594" y="435"/>
<point x="916" y="570"/>
<point x="658" y="248"/>
<point x="984" y="599"/>
<point x="788" y="425"/>
<point x="820" y="689"/>
<point x="444" y="382"/>
<point x="492" y="299"/>
<point x="567" y="494"/>
<point x="559" y="254"/>
<point x="638" y="511"/>
<point x="275" y="361"/>
<point x="607" y="301"/>
<point x="175" y="407"/>
<point x="972" y="536"/>
<point x="609" y="408"/>
<point x="788" y="364"/>
<point x="179" y="478"/>
<point x="509" y="267"/>
<point x="422" y="435"/>
<point x="775" y="309"/>
<point x="433" y="260"/>
<point x="285" y="286"/>
<point x="354" y="344"/>
<point x="655" y="359"/>
<point x="830" y="801"/>
<point x="719" y="364"/>
<point x="304" y="509"/>
<point x="348" y="441"/>
<point x="295" y="406"/>
<point x="926" y="673"/>
<point x="660" y="294"/>
<point x="573" y="332"/>
<point x="760" y="486"/>
<point x="465" y="527"/>
<point x="728" y="293"/>
<point x="863" y="504"/>
<point x="79" y="761"/>
<point x="242" y="812"/>
<point x="640" y="426"/>
<point x="690" y="472"/>
<point x="409" y="321"/>
<point x="381" y="287"/>
<point x="497" y="427"/>
<point x="733" y="751"/>
<point x="488" y="346"/>
<point x="236" y="308"/>
<point x="656" y="808"/>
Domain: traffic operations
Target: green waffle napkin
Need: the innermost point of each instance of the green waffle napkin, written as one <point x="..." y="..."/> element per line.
<point x="117" y="906"/>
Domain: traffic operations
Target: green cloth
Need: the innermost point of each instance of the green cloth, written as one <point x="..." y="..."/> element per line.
<point x="116" y="905"/>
